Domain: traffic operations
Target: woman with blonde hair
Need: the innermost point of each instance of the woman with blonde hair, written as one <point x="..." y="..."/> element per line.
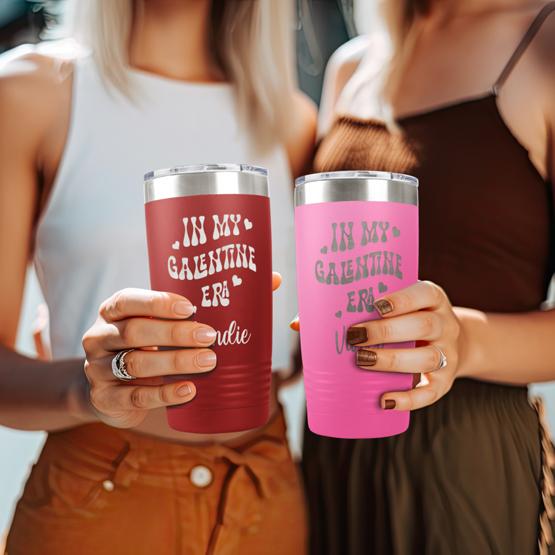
<point x="461" y="95"/>
<point x="157" y="83"/>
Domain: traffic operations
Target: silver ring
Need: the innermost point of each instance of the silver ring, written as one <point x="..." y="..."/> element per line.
<point x="442" y="359"/>
<point x="118" y="366"/>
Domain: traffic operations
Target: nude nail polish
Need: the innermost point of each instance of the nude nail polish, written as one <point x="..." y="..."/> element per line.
<point x="205" y="335"/>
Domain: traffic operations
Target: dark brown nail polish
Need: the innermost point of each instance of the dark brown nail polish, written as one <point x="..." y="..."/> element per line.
<point x="383" y="306"/>
<point x="415" y="380"/>
<point x="366" y="357"/>
<point x="356" y="335"/>
<point x="389" y="404"/>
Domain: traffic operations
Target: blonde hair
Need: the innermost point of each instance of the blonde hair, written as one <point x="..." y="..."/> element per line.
<point x="401" y="18"/>
<point x="251" y="42"/>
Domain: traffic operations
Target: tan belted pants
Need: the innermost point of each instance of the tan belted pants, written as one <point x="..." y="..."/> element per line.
<point x="102" y="491"/>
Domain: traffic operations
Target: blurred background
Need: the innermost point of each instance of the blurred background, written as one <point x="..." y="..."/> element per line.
<point x="321" y="27"/>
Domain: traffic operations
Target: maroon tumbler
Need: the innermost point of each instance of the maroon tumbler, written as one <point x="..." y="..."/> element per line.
<point x="208" y="233"/>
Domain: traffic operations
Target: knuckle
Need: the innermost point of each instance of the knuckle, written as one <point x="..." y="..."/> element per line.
<point x="129" y="332"/>
<point x="139" y="397"/>
<point x="383" y="332"/>
<point x="428" y="324"/>
<point x="437" y="293"/>
<point x="453" y="328"/>
<point x="392" y="361"/>
<point x="176" y="333"/>
<point x="87" y="369"/>
<point x="180" y="360"/>
<point x="115" y="305"/>
<point x="152" y="302"/>
<point x="164" y="395"/>
<point x="95" y="397"/>
<point x="87" y="342"/>
<point x="402" y="302"/>
<point x="133" y="364"/>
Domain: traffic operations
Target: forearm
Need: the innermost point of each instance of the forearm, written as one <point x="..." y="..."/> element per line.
<point x="39" y="395"/>
<point x="507" y="348"/>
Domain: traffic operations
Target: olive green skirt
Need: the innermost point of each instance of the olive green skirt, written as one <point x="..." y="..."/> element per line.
<point x="471" y="476"/>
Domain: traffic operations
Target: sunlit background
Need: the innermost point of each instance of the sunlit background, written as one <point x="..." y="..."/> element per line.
<point x="322" y="26"/>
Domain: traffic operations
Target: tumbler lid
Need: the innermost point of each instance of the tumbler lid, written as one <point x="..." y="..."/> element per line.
<point x="206" y="179"/>
<point x="356" y="185"/>
<point x="200" y="168"/>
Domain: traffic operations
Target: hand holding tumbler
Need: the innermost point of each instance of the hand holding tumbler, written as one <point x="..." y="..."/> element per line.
<point x="356" y="239"/>
<point x="209" y="239"/>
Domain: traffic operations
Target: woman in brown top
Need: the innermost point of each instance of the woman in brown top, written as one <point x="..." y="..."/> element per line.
<point x="471" y="90"/>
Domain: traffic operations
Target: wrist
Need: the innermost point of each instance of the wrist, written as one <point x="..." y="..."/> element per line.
<point x="470" y="342"/>
<point x="78" y="398"/>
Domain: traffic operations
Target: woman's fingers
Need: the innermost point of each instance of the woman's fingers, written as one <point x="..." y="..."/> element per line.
<point x="276" y="280"/>
<point x="423" y="325"/>
<point x="113" y="401"/>
<point x="421" y="359"/>
<point x="128" y="303"/>
<point x="438" y="385"/>
<point x="420" y="296"/>
<point x="151" y="364"/>
<point x="146" y="332"/>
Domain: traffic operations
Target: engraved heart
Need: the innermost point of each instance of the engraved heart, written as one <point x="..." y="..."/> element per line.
<point x="248" y="224"/>
<point x="236" y="280"/>
<point x="338" y="314"/>
<point x="396" y="232"/>
<point x="324" y="250"/>
<point x="175" y="246"/>
<point x="382" y="287"/>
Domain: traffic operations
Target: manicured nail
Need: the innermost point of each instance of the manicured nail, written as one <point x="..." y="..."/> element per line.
<point x="294" y="324"/>
<point x="356" y="335"/>
<point x="205" y="335"/>
<point x="389" y="404"/>
<point x="184" y="390"/>
<point x="365" y="357"/>
<point x="415" y="380"/>
<point x="183" y="308"/>
<point x="206" y="359"/>
<point x="383" y="306"/>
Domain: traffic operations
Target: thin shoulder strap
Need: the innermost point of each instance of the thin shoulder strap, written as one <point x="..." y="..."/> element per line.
<point x="523" y="45"/>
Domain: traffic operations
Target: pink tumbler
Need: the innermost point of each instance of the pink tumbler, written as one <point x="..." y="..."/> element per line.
<point x="357" y="240"/>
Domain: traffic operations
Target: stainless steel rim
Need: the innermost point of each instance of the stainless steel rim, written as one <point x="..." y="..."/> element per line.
<point x="207" y="179"/>
<point x="353" y="186"/>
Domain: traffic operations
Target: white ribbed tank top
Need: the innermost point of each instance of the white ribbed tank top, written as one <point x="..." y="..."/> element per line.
<point x="90" y="240"/>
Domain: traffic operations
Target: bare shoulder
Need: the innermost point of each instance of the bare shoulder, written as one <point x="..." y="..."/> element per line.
<point x="301" y="141"/>
<point x="346" y="59"/>
<point x="356" y="61"/>
<point x="33" y="85"/>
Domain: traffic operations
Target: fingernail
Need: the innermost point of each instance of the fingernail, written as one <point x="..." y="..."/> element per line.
<point x="294" y="324"/>
<point x="366" y="357"/>
<point x="356" y="334"/>
<point x="383" y="306"/>
<point x="389" y="404"/>
<point x="184" y="390"/>
<point x="415" y="380"/>
<point x="183" y="308"/>
<point x="205" y="335"/>
<point x="206" y="359"/>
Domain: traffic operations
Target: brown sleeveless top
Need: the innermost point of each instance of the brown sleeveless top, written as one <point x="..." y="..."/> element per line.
<point x="486" y="214"/>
